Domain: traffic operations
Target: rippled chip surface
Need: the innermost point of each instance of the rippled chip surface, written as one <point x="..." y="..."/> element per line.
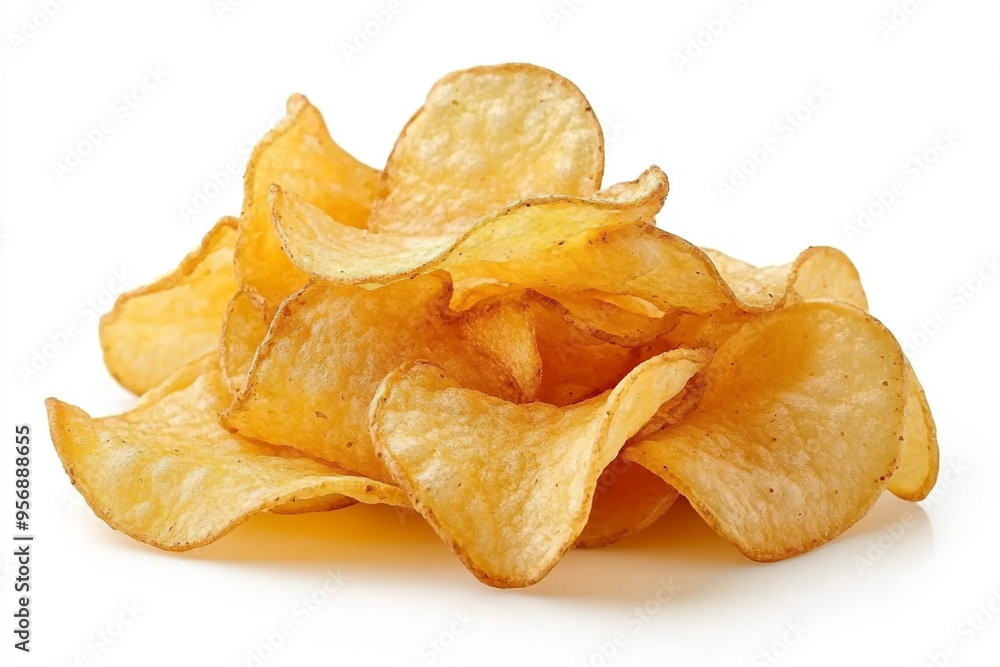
<point x="165" y="473"/>
<point x="154" y="330"/>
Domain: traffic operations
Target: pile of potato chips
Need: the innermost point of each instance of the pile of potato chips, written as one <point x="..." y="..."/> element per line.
<point x="481" y="333"/>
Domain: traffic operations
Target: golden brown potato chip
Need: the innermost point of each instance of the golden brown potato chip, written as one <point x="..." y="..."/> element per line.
<point x="638" y="261"/>
<point x="918" y="467"/>
<point x="575" y="365"/>
<point x="299" y="155"/>
<point x="726" y="264"/>
<point x="329" y="347"/>
<point x="154" y="330"/>
<point x="829" y="274"/>
<point x="604" y="320"/>
<point x="627" y="499"/>
<point x="485" y="138"/>
<point x="322" y="246"/>
<point x="243" y="329"/>
<point x="168" y="475"/>
<point x="797" y="434"/>
<point x="507" y="486"/>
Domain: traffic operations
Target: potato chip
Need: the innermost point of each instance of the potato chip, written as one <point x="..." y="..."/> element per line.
<point x="299" y="155"/>
<point x="627" y="499"/>
<point x="154" y="330"/>
<point x="797" y="434"/>
<point x="918" y="466"/>
<point x="168" y="475"/>
<point x="605" y="320"/>
<point x="320" y="245"/>
<point x="243" y="329"/>
<point x="575" y="365"/>
<point x="329" y="347"/>
<point x="507" y="486"/>
<point x="829" y="274"/>
<point x="484" y="139"/>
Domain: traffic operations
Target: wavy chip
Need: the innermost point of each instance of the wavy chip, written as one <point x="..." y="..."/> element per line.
<point x="627" y="499"/>
<point x="298" y="155"/>
<point x="167" y="474"/>
<point x="243" y="330"/>
<point x="485" y="138"/>
<point x="154" y="330"/>
<point x="330" y="345"/>
<point x="797" y="434"/>
<point x="507" y="486"/>
<point x="320" y="245"/>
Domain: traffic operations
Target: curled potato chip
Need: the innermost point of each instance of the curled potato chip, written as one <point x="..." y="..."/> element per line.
<point x="154" y="330"/>
<point x="320" y="245"/>
<point x="330" y="345"/>
<point x="299" y="155"/>
<point x="829" y="274"/>
<point x="797" y="434"/>
<point x="605" y="320"/>
<point x="168" y="475"/>
<point x="627" y="499"/>
<point x="918" y="467"/>
<point x="243" y="329"/>
<point x="507" y="486"/>
<point x="576" y="365"/>
<point x="485" y="138"/>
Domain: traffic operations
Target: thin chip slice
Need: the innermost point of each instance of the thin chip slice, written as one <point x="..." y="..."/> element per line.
<point x="320" y="245"/>
<point x="918" y="467"/>
<point x="485" y="138"/>
<point x="628" y="498"/>
<point x="604" y="320"/>
<point x="329" y="347"/>
<point x="243" y="330"/>
<point x="299" y="155"/>
<point x="154" y="330"/>
<point x="797" y="434"/>
<point x="168" y="475"/>
<point x="637" y="261"/>
<point x="509" y="487"/>
<point x="576" y="365"/>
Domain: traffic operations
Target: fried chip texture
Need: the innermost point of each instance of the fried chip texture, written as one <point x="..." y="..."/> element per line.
<point x="627" y="499"/>
<point x="243" y="330"/>
<point x="485" y="138"/>
<point x="167" y="474"/>
<point x="321" y="246"/>
<point x="797" y="434"/>
<point x="154" y="330"/>
<point x="507" y="486"/>
<point x="329" y="347"/>
<point x="299" y="155"/>
<point x="918" y="467"/>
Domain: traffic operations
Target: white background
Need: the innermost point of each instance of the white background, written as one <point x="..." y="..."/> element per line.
<point x="225" y="77"/>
